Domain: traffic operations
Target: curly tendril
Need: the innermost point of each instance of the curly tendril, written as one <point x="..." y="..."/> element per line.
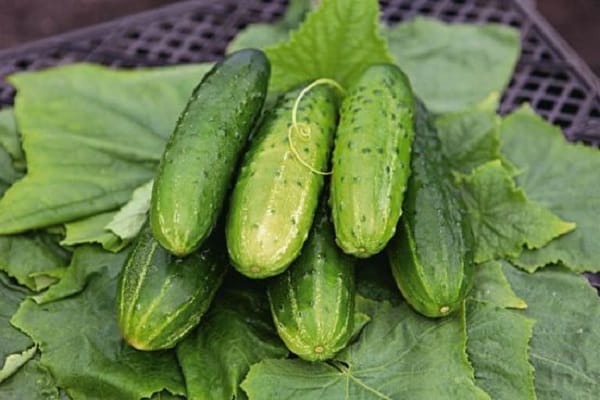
<point x="303" y="130"/>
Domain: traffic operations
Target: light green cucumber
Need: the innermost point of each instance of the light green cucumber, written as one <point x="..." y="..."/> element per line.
<point x="371" y="159"/>
<point x="161" y="297"/>
<point x="274" y="199"/>
<point x="312" y="302"/>
<point x="201" y="155"/>
<point x="431" y="254"/>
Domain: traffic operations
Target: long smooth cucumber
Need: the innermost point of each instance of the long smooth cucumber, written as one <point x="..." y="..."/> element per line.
<point x="200" y="157"/>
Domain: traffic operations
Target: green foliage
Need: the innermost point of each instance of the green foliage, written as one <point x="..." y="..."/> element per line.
<point x="88" y="357"/>
<point x="453" y="66"/>
<point x="22" y="256"/>
<point x="88" y="148"/>
<point x="563" y="178"/>
<point x="399" y="354"/>
<point x="236" y="333"/>
<point x="564" y="346"/>
<point x="502" y="218"/>
<point x="337" y="41"/>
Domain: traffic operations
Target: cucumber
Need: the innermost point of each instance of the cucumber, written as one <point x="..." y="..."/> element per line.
<point x="201" y="155"/>
<point x="274" y="199"/>
<point x="161" y="297"/>
<point x="371" y="160"/>
<point x="312" y="302"/>
<point x="431" y="255"/>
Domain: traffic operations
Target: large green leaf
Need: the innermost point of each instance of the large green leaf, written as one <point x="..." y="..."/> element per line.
<point x="398" y="355"/>
<point x="497" y="344"/>
<point x="87" y="260"/>
<point x="128" y="221"/>
<point x="502" y="218"/>
<point x="491" y="286"/>
<point x="564" y="346"/>
<point x="114" y="230"/>
<point x="8" y="174"/>
<point x="336" y="41"/>
<point x="237" y="332"/>
<point x="21" y="256"/>
<point x="82" y="348"/>
<point x="93" y="230"/>
<point x="261" y="35"/>
<point x="12" y="340"/>
<point x="91" y="135"/>
<point x="469" y="137"/>
<point x="32" y="382"/>
<point x="9" y="136"/>
<point x="454" y="66"/>
<point x="562" y="177"/>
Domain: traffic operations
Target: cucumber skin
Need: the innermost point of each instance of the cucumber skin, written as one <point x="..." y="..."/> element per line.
<point x="275" y="197"/>
<point x="201" y="155"/>
<point x="371" y="160"/>
<point x="431" y="255"/>
<point x="161" y="297"/>
<point x="312" y="302"/>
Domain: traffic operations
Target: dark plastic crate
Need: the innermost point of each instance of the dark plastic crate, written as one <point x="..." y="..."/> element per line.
<point x="549" y="75"/>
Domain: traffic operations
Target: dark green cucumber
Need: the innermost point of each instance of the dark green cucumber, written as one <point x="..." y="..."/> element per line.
<point x="274" y="199"/>
<point x="371" y="159"/>
<point x="162" y="297"/>
<point x="431" y="255"/>
<point x="312" y="302"/>
<point x="200" y="157"/>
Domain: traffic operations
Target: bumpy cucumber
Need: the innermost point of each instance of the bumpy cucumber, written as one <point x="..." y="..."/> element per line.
<point x="312" y="302"/>
<point x="431" y="255"/>
<point x="274" y="199"/>
<point x="371" y="159"/>
<point x="161" y="297"/>
<point x="202" y="153"/>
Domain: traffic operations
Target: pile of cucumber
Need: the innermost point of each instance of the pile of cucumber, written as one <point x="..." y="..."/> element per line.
<point x="328" y="176"/>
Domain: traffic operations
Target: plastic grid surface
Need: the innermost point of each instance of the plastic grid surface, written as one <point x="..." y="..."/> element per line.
<point x="555" y="82"/>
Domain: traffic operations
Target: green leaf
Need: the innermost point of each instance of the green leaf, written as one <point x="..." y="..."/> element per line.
<point x="22" y="256"/>
<point x="14" y="361"/>
<point x="93" y="230"/>
<point x="88" y="148"/>
<point x="564" y="347"/>
<point x="562" y="177"/>
<point x="260" y="36"/>
<point x="497" y="344"/>
<point x="87" y="260"/>
<point x="491" y="286"/>
<point x="398" y="355"/>
<point x="237" y="332"/>
<point x="82" y="347"/>
<point x="454" y="66"/>
<point x="32" y="382"/>
<point x="336" y="41"/>
<point x="502" y="218"/>
<point x="470" y="137"/>
<point x="9" y="136"/>
<point x="128" y="221"/>
<point x="12" y="340"/>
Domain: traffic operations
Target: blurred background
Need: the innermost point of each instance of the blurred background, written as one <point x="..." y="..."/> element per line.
<point x="21" y="21"/>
